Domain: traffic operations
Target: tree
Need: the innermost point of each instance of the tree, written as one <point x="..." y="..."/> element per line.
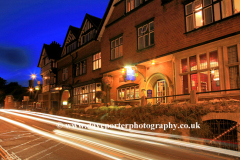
<point x="3" y="83"/>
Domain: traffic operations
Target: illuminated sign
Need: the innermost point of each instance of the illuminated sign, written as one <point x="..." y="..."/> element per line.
<point x="130" y="74"/>
<point x="149" y="93"/>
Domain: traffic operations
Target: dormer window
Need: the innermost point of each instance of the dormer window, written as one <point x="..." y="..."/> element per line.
<point x="71" y="47"/>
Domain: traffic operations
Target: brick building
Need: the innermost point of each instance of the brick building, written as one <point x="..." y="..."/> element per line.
<point x="47" y="62"/>
<point x="170" y="48"/>
<point x="79" y="67"/>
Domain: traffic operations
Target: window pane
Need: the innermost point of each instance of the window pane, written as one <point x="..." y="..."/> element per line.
<point x="215" y="81"/>
<point x="121" y="40"/>
<point x="203" y="61"/>
<point x="193" y="63"/>
<point x="132" y="4"/>
<point x="94" y="57"/>
<point x="94" y="65"/>
<point x="140" y="43"/>
<point x="137" y="3"/>
<point x="140" y="31"/>
<point x="132" y="92"/>
<point x="152" y="38"/>
<point x="189" y="22"/>
<point x="236" y="4"/>
<point x="151" y="26"/>
<point x="189" y="9"/>
<point x="226" y="8"/>
<point x="206" y="2"/>
<point x="197" y="5"/>
<point x="100" y="55"/>
<point x="112" y="53"/>
<point x="185" y="84"/>
<point x="208" y="15"/>
<point x="184" y="65"/>
<point x="113" y="44"/>
<point x="128" y="93"/>
<point x="204" y="81"/>
<point x="146" y="40"/>
<point x="116" y="52"/>
<point x="99" y="63"/>
<point x="137" y="92"/>
<point x="217" y="11"/>
<point x="213" y="59"/>
<point x="194" y="82"/>
<point x="117" y="42"/>
<point x="232" y="54"/>
<point x="198" y="19"/>
<point x="123" y="94"/>
<point x="120" y="51"/>
<point x="119" y="94"/>
<point x="93" y="87"/>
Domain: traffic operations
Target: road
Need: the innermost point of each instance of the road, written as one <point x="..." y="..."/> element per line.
<point x="24" y="135"/>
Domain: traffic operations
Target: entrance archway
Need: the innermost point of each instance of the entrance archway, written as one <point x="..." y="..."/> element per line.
<point x="160" y="86"/>
<point x="64" y="99"/>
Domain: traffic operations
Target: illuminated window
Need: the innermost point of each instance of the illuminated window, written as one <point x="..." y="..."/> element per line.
<point x="208" y="73"/>
<point x="128" y="93"/>
<point x="87" y="94"/>
<point x="146" y="35"/>
<point x="204" y="12"/>
<point x="131" y="4"/>
<point x="117" y="48"/>
<point x="97" y="61"/>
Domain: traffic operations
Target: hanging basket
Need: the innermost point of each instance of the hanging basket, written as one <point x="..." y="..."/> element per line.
<point x="107" y="80"/>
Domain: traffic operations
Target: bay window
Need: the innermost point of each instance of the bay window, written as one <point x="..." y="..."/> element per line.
<point x="203" y="12"/>
<point x="146" y="35"/>
<point x="203" y="73"/>
<point x="87" y="94"/>
<point x="128" y="93"/>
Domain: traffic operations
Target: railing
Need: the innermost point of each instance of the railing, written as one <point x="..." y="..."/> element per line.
<point x="174" y="96"/>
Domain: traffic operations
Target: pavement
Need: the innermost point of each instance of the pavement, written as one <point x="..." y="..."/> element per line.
<point x="29" y="135"/>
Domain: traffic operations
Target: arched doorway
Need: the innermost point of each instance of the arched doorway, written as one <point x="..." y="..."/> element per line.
<point x="161" y="86"/>
<point x="64" y="99"/>
<point x="224" y="133"/>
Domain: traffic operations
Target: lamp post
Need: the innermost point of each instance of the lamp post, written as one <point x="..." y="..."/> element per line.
<point x="33" y="76"/>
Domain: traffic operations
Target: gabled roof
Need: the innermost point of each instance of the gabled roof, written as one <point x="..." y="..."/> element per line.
<point x="53" y="51"/>
<point x="105" y="19"/>
<point x="74" y="30"/>
<point x="94" y="20"/>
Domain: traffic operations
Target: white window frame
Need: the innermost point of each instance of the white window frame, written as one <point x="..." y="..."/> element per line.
<point x="97" y="61"/>
<point x="116" y="50"/>
<point x="146" y="33"/>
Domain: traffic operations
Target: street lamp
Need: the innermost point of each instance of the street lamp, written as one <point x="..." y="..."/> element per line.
<point x="33" y="76"/>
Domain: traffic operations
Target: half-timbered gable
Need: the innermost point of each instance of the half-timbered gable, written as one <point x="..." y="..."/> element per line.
<point x="89" y="29"/>
<point x="70" y="42"/>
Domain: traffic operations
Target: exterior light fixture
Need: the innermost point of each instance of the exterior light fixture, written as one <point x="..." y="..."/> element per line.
<point x="65" y="103"/>
<point x="153" y="62"/>
<point x="30" y="89"/>
<point x="37" y="88"/>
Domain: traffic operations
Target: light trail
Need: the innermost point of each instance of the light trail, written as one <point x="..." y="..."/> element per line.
<point x="63" y="140"/>
<point x="133" y="135"/>
<point x="77" y="137"/>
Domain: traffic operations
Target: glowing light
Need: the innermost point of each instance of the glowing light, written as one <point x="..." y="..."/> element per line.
<point x="65" y="103"/>
<point x="212" y="71"/>
<point x="33" y="76"/>
<point x="153" y="62"/>
<point x="123" y="70"/>
<point x="30" y="89"/>
<point x="37" y="88"/>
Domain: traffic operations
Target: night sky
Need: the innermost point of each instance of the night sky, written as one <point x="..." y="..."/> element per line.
<point x="25" y="25"/>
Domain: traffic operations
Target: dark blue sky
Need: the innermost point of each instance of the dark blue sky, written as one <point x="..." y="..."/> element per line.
<point x="25" y="25"/>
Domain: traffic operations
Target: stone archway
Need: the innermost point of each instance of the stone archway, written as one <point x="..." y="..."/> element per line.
<point x="152" y="80"/>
